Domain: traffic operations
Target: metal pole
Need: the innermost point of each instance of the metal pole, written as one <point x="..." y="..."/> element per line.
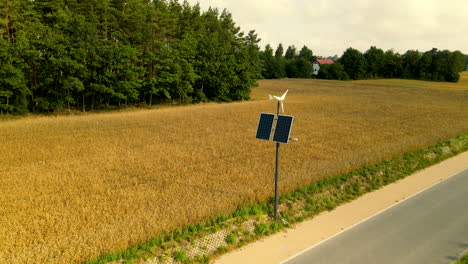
<point x="277" y="169"/>
<point x="276" y="180"/>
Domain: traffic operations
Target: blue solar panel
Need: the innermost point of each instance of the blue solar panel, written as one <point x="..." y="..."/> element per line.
<point x="283" y="129"/>
<point x="264" y="126"/>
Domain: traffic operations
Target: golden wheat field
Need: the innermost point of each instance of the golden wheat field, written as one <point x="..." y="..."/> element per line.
<point x="75" y="187"/>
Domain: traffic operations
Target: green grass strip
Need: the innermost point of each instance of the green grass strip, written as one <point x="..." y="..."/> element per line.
<point x="463" y="260"/>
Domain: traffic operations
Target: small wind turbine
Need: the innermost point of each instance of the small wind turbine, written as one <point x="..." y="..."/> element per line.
<point x="280" y="99"/>
<point x="281" y="135"/>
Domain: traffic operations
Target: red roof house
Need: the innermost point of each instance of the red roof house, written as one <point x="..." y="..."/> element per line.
<point x="319" y="62"/>
<point x="324" y="61"/>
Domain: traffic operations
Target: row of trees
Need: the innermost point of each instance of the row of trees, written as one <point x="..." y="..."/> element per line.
<point x="434" y="65"/>
<point x="58" y="54"/>
<point x="291" y="64"/>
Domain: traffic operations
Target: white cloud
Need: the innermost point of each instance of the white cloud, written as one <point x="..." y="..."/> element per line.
<point x="328" y="27"/>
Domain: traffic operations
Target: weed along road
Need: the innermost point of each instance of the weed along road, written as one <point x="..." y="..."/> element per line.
<point x="430" y="227"/>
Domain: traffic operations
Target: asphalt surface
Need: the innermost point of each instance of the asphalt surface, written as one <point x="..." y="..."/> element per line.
<point x="430" y="227"/>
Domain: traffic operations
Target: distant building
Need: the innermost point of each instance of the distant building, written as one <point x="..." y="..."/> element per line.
<point x="319" y="62"/>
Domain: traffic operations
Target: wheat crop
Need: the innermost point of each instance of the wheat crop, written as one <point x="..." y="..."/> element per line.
<point x="75" y="187"/>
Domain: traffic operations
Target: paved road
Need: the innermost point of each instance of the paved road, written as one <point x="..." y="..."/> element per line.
<point x="431" y="227"/>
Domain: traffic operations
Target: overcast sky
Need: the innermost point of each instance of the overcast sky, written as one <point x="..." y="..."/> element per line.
<point x="329" y="27"/>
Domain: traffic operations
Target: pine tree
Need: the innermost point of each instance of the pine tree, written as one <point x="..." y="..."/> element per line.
<point x="290" y="53"/>
<point x="279" y="51"/>
<point x="268" y="59"/>
<point x="306" y="54"/>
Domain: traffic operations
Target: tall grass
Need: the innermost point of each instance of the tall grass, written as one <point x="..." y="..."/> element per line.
<point x="72" y="188"/>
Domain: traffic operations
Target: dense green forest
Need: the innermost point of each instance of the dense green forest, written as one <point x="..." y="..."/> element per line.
<point x="432" y="65"/>
<point x="89" y="54"/>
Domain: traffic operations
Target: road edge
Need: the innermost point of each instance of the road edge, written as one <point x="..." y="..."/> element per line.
<point x="287" y="244"/>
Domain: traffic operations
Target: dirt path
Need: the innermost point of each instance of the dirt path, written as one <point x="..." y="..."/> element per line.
<point x="286" y="244"/>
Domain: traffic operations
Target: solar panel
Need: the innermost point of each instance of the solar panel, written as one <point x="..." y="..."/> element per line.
<point x="264" y="126"/>
<point x="283" y="128"/>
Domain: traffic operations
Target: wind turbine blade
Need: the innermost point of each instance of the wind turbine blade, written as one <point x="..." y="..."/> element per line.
<point x="284" y="95"/>
<point x="282" y="106"/>
<point x="271" y="97"/>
